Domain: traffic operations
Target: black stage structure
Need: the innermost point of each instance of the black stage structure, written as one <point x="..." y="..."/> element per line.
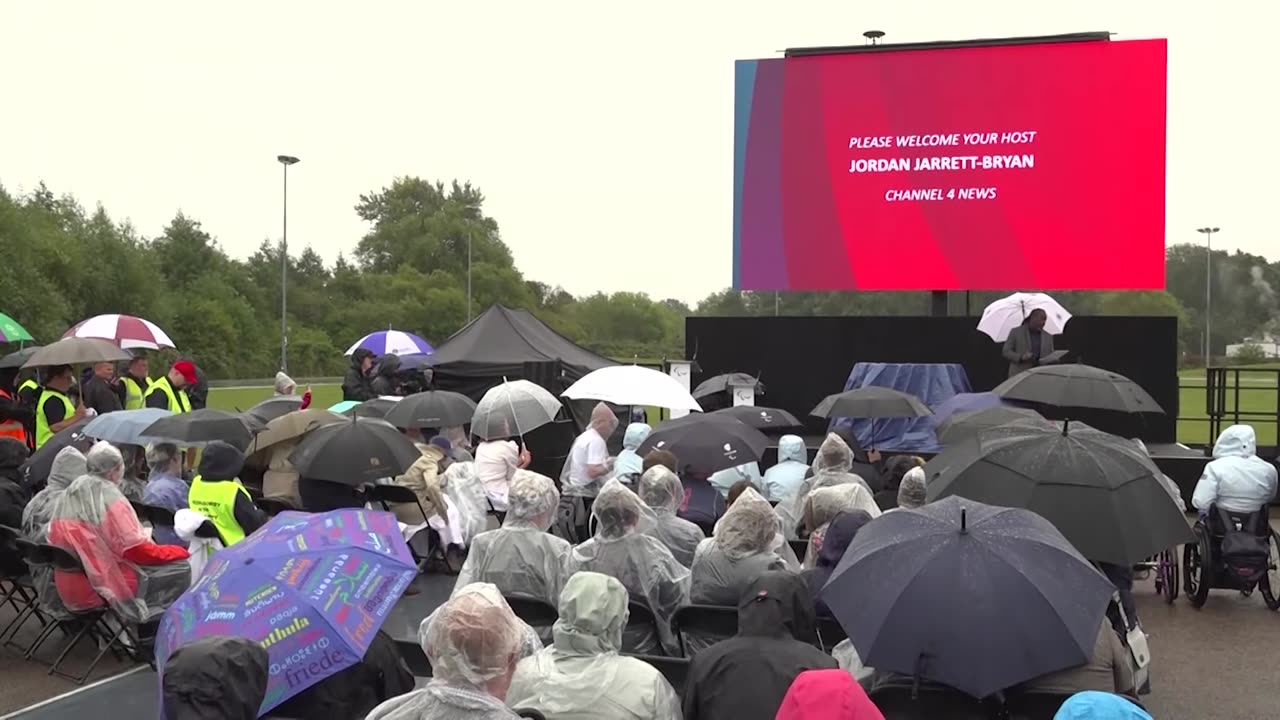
<point x="803" y="359"/>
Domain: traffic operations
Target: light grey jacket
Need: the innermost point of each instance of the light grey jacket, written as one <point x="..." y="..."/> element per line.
<point x="1019" y="344"/>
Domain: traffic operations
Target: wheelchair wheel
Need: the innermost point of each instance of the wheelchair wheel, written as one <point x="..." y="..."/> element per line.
<point x="1270" y="583"/>
<point x="1167" y="574"/>
<point x="1195" y="571"/>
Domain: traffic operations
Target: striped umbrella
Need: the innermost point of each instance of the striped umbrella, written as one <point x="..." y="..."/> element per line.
<point x="391" y="342"/>
<point x="11" y="331"/>
<point x="125" y="331"/>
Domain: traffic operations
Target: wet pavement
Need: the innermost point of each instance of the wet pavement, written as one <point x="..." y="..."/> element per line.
<point x="1208" y="664"/>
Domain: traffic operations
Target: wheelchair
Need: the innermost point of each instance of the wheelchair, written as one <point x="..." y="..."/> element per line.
<point x="1163" y="568"/>
<point x="1206" y="565"/>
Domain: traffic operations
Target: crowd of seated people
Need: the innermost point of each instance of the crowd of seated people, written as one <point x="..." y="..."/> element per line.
<point x="639" y="554"/>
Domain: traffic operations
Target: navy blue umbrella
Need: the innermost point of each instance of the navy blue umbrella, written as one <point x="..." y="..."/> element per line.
<point x="973" y="596"/>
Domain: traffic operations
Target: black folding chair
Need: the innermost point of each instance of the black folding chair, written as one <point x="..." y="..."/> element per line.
<point x="95" y="623"/>
<point x="830" y="633"/>
<point x="799" y="547"/>
<point x="273" y="506"/>
<point x="388" y="495"/>
<point x="154" y="515"/>
<point x="16" y="589"/>
<point x="675" y="670"/>
<point x="639" y="619"/>
<point x="530" y="713"/>
<point x="535" y="613"/>
<point x="713" y="621"/>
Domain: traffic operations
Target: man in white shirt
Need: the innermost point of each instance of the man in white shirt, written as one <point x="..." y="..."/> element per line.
<point x="586" y="468"/>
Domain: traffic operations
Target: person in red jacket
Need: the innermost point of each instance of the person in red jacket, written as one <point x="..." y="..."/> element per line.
<point x="122" y="566"/>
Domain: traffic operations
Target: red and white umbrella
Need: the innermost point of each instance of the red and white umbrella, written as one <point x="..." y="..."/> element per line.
<point x="126" y="331"/>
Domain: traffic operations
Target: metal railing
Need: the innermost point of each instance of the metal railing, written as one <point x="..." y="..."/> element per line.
<point x="1242" y="395"/>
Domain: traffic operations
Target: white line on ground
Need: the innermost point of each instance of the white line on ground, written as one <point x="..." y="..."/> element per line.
<point x="77" y="691"/>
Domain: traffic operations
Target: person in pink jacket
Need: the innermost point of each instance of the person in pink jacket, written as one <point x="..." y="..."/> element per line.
<point x="827" y="695"/>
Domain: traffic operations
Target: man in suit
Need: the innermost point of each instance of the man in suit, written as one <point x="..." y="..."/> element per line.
<point x="1028" y="343"/>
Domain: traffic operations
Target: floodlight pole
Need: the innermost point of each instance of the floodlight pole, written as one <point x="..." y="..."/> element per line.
<point x="1208" y="292"/>
<point x="285" y="161"/>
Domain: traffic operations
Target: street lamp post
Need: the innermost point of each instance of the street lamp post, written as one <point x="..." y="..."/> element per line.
<point x="1208" y="292"/>
<point x="285" y="161"/>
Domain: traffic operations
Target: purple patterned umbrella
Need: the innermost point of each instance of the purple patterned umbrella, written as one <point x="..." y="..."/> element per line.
<point x="312" y="589"/>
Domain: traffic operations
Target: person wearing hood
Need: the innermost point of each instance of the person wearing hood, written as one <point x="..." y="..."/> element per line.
<point x="215" y="678"/>
<point x="381" y="674"/>
<point x="827" y="695"/>
<point x="894" y="470"/>
<point x="661" y="490"/>
<point x="13" y="496"/>
<point x="586" y="468"/>
<point x="830" y="467"/>
<point x="166" y="488"/>
<point x="1094" y="705"/>
<point x="285" y="386"/>
<point x="744" y="546"/>
<point x="356" y="384"/>
<point x="824" y="504"/>
<point x="217" y="494"/>
<point x="521" y="558"/>
<point x="1236" y="480"/>
<point x="785" y="477"/>
<point x="840" y="534"/>
<point x="122" y="566"/>
<point x="747" y="676"/>
<point x="582" y="676"/>
<point x="913" y="491"/>
<point x="384" y="379"/>
<point x="68" y="465"/>
<point x="423" y="478"/>
<point x="473" y="643"/>
<point x="724" y="480"/>
<point x="628" y="465"/>
<point x="645" y="567"/>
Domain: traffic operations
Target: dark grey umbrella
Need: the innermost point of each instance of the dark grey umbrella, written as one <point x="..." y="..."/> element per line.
<point x="76" y="351"/>
<point x="17" y="359"/>
<point x="871" y="402"/>
<point x="273" y="407"/>
<point x="975" y="597"/>
<point x="432" y="409"/>
<point x="1078" y="386"/>
<point x="761" y="418"/>
<point x="722" y="383"/>
<point x="354" y="453"/>
<point x="708" y="442"/>
<point x="200" y="427"/>
<point x="1099" y="490"/>
<point x="35" y="471"/>
<point x="962" y="426"/>
<point x="375" y="408"/>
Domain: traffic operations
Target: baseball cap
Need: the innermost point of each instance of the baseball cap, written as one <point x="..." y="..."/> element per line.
<point x="187" y="369"/>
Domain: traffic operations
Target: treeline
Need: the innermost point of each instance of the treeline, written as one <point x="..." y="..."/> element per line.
<point x="64" y="263"/>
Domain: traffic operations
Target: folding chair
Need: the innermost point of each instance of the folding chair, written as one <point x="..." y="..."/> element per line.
<point x="273" y="506"/>
<point x="713" y="621"/>
<point x="153" y="515"/>
<point x="92" y="623"/>
<point x="639" y="618"/>
<point x="388" y="495"/>
<point x="16" y="589"/>
<point x="830" y="633"/>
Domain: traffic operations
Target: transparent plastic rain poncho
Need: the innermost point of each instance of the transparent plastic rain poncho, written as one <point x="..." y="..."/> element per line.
<point x="744" y="546"/>
<point x="465" y="489"/>
<point x="784" y="478"/>
<point x="663" y="492"/>
<point x="628" y="463"/>
<point x="912" y="490"/>
<point x="622" y="549"/>
<point x="68" y="465"/>
<point x="93" y="520"/>
<point x="582" y="676"/>
<point x="824" y="504"/>
<point x="521" y="558"/>
<point x="830" y="467"/>
<point x="471" y="641"/>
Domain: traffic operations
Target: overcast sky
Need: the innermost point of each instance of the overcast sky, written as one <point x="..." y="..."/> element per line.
<point x="600" y="132"/>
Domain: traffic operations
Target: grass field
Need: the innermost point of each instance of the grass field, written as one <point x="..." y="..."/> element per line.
<point x="1258" y="396"/>
<point x="242" y="398"/>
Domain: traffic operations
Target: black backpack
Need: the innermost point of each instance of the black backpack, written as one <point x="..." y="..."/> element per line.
<point x="1245" y="550"/>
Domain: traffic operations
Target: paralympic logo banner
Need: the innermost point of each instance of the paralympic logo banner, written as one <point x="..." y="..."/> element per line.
<point x="978" y="168"/>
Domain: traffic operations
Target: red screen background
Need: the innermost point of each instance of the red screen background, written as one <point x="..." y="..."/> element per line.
<point x="1088" y="215"/>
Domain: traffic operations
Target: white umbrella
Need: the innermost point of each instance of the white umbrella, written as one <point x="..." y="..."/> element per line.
<point x="1007" y="313"/>
<point x="633" y="385"/>
<point x="126" y="331"/>
<point x="513" y="408"/>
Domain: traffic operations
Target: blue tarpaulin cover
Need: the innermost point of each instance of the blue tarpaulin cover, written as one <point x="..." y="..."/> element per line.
<point x="934" y="383"/>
